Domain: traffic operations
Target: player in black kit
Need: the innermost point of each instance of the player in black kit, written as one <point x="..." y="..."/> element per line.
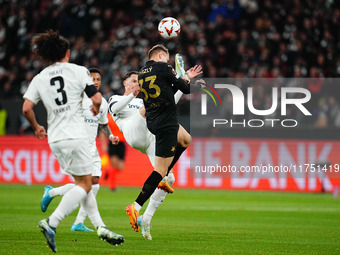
<point x="158" y="83"/>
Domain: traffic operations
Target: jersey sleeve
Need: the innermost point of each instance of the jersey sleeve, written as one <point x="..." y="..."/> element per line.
<point x="171" y="75"/>
<point x="86" y="77"/>
<point x="118" y="103"/>
<point x="103" y="118"/>
<point x="32" y="92"/>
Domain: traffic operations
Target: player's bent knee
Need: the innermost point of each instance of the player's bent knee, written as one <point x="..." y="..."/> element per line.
<point x="183" y="138"/>
<point x="84" y="181"/>
<point x="87" y="188"/>
<point x="185" y="141"/>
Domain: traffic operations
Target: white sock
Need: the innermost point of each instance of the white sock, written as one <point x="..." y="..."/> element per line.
<point x="61" y="191"/>
<point x="156" y="200"/>
<point x="82" y="212"/>
<point x="90" y="205"/>
<point x="171" y="179"/>
<point x="95" y="189"/>
<point x="137" y="206"/>
<point x="68" y="204"/>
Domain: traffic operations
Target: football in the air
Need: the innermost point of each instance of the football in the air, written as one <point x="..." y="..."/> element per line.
<point x="169" y="28"/>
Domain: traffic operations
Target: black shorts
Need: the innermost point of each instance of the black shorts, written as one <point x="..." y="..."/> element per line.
<point x="117" y="150"/>
<point x="166" y="141"/>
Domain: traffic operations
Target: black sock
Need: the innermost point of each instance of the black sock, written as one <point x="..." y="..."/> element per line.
<point x="149" y="187"/>
<point x="178" y="153"/>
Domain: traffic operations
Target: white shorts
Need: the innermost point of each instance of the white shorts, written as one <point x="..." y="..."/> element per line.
<point x="138" y="136"/>
<point x="74" y="156"/>
<point x="97" y="162"/>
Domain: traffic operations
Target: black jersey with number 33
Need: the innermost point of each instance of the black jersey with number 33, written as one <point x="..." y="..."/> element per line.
<point x="158" y="83"/>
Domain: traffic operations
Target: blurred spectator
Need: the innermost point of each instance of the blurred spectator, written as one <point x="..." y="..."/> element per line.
<point x="334" y="111"/>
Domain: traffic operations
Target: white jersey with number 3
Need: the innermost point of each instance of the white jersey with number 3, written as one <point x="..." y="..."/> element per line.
<point x="61" y="88"/>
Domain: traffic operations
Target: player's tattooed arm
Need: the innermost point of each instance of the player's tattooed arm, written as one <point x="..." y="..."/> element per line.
<point x="104" y="128"/>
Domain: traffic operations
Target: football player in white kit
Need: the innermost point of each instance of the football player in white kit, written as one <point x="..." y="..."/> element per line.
<point x="129" y="114"/>
<point x="61" y="86"/>
<point x="91" y="124"/>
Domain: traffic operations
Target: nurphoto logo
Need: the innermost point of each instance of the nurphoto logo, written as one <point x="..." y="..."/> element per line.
<point x="280" y="99"/>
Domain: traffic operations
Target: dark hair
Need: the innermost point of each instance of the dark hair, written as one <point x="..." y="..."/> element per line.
<point x="157" y="48"/>
<point x="94" y="70"/>
<point x="50" y="46"/>
<point x="128" y="75"/>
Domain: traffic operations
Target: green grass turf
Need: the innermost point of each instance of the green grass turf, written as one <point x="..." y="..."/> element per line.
<point x="188" y="222"/>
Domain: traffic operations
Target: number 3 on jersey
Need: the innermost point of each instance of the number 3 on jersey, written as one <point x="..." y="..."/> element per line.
<point x="61" y="90"/>
<point x="157" y="89"/>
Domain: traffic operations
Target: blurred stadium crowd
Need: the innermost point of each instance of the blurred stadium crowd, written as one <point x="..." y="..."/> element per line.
<point x="229" y="38"/>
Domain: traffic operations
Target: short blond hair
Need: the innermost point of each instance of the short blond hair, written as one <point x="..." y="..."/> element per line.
<point x="155" y="49"/>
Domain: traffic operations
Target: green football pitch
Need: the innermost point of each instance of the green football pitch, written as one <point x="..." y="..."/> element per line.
<point x="188" y="222"/>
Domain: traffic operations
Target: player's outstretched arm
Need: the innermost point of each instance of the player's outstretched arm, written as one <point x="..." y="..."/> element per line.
<point x="195" y="71"/>
<point x="183" y="83"/>
<point x="118" y="103"/>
